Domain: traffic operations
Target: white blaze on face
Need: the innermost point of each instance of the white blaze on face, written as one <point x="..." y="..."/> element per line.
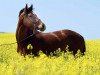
<point x="40" y="24"/>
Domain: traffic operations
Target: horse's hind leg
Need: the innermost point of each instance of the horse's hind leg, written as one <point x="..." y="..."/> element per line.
<point x="82" y="51"/>
<point x="63" y="48"/>
<point x="73" y="50"/>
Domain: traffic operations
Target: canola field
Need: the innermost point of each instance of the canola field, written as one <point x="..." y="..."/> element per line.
<point x="11" y="63"/>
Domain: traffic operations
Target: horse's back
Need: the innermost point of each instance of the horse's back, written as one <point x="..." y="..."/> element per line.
<point x="61" y="34"/>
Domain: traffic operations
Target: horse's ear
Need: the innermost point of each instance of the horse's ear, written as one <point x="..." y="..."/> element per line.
<point x="26" y="9"/>
<point x="31" y="7"/>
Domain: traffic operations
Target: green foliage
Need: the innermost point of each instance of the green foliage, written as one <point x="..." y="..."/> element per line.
<point x="11" y="63"/>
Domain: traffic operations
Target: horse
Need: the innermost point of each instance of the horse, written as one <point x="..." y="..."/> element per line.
<point x="27" y="18"/>
<point x="47" y="42"/>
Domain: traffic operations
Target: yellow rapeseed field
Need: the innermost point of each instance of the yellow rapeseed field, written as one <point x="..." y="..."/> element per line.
<point x="11" y="63"/>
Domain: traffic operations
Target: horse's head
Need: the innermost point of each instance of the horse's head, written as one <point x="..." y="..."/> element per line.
<point x="30" y="19"/>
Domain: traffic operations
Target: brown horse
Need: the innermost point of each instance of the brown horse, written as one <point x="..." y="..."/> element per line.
<point x="47" y="42"/>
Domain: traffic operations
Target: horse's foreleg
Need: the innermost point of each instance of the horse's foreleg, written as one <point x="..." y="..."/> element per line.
<point x="24" y="52"/>
<point x="35" y="52"/>
<point x="21" y="51"/>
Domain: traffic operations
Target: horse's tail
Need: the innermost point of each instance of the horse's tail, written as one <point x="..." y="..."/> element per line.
<point x="83" y="46"/>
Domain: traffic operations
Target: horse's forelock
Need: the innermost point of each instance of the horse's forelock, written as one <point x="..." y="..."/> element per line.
<point x="21" y="11"/>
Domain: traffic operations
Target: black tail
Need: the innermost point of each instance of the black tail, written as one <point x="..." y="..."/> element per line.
<point x="83" y="47"/>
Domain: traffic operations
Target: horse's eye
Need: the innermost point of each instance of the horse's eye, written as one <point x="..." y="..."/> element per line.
<point x="30" y="15"/>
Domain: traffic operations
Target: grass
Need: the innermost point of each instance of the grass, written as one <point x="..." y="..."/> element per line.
<point x="11" y="63"/>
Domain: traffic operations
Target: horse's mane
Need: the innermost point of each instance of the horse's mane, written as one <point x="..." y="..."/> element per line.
<point x="29" y="9"/>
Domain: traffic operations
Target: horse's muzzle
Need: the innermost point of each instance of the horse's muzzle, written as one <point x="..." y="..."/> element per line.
<point x="42" y="27"/>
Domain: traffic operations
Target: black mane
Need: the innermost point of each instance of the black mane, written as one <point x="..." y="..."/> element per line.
<point x="29" y="9"/>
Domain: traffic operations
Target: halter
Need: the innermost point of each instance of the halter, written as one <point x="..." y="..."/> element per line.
<point x="34" y="24"/>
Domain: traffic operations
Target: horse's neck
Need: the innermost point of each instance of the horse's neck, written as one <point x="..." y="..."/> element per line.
<point x="21" y="33"/>
<point x="36" y="32"/>
<point x="18" y="25"/>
